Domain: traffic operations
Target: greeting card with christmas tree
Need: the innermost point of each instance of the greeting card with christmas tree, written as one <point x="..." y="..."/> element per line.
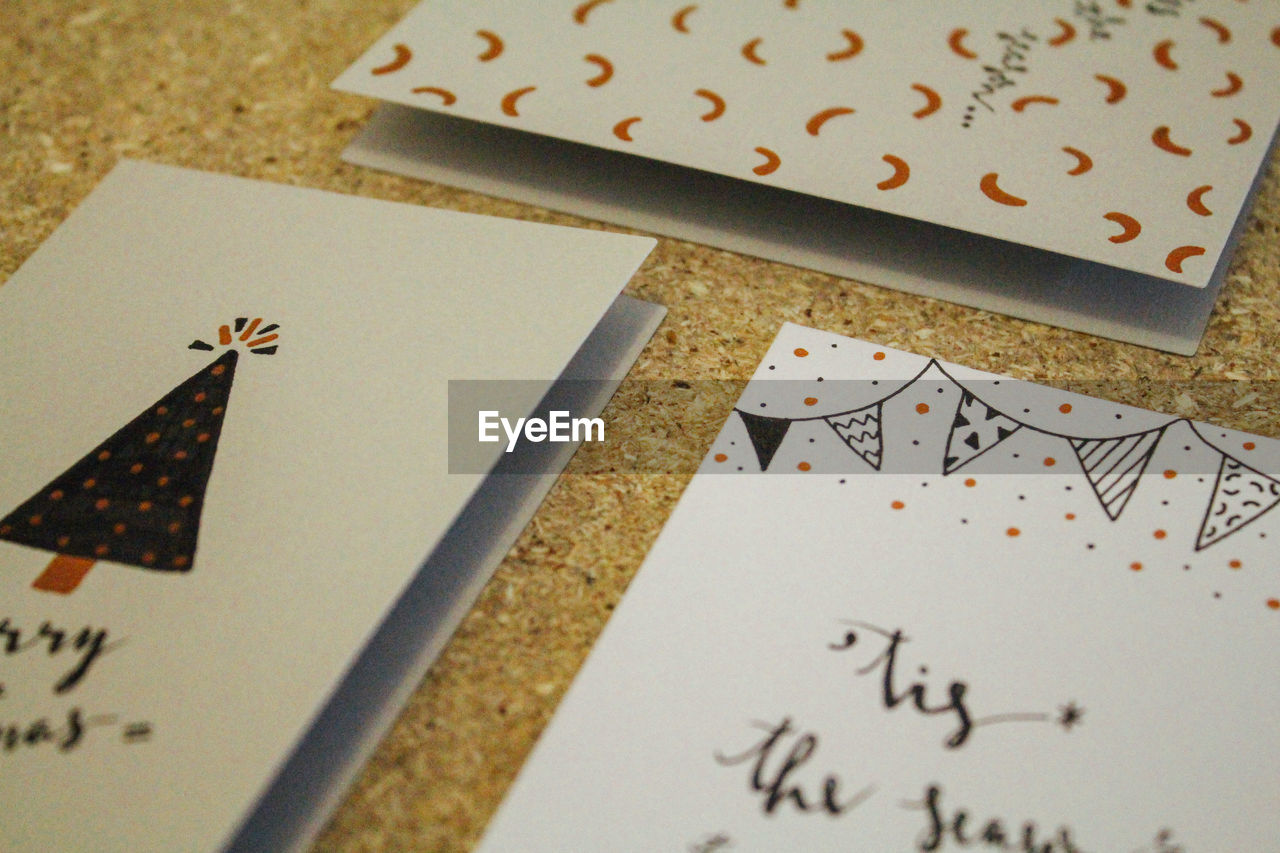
<point x="1080" y="163"/>
<point x="225" y="456"/>
<point x="910" y="606"/>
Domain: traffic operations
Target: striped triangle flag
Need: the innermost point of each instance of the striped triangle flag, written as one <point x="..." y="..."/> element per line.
<point x="1114" y="466"/>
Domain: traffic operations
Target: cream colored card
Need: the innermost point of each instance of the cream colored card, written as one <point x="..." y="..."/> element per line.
<point x="1128" y="134"/>
<point x="908" y="606"/>
<point x="225" y="458"/>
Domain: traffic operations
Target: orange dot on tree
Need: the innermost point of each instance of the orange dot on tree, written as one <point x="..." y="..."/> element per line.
<point x="801" y="352"/>
<point x="163" y="481"/>
<point x="175" y="527"/>
<point x="135" y="468"/>
<point x="56" y="495"/>
<point x="119" y="529"/>
<point x="217" y="410"/>
<point x="804" y="466"/>
<point x="144" y="506"/>
<point x="179" y="561"/>
<point x="64" y="541"/>
<point x="922" y="408"/>
<point x="181" y="454"/>
<point x="200" y="397"/>
<point x="189" y="423"/>
<point x="218" y="370"/>
<point x="35" y="520"/>
<point x="104" y="456"/>
<point x="101" y="503"/>
<point x="202" y="437"/>
<point x="148" y="558"/>
<point x="186" y="501"/>
<point x="90" y="483"/>
<point x="102" y="550"/>
<point x="720" y="457"/>
<point x="152" y="437"/>
<point x="162" y="410"/>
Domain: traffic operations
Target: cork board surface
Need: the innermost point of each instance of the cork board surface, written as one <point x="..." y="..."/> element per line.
<point x="242" y="88"/>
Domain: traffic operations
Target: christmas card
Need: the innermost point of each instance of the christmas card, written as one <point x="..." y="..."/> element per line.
<point x="227" y="460"/>
<point x="1030" y="158"/>
<point x="909" y="606"/>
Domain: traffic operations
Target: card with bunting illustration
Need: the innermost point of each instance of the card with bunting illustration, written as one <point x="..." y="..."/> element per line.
<point x="226" y="454"/>
<point x="909" y="606"/>
<point x="1119" y="139"/>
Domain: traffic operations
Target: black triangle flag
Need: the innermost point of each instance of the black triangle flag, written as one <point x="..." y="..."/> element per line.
<point x="976" y="429"/>
<point x="1240" y="495"/>
<point x="766" y="435"/>
<point x="860" y="430"/>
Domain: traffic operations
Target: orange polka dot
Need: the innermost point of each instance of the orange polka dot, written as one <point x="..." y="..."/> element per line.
<point x="144" y="506"/>
<point x="1273" y="603"/>
<point x="1235" y="564"/>
<point x="102" y="550"/>
<point x="1049" y="462"/>
<point x="1170" y="474"/>
<point x="101" y="503"/>
<point x="200" y="397"/>
<point x="56" y="495"/>
<point x="804" y="466"/>
<point x="720" y="457"/>
<point x="152" y="437"/>
<point x="1013" y="531"/>
<point x="1249" y="445"/>
<point x="1137" y="567"/>
<point x="104" y="456"/>
<point x="1065" y="408"/>
<point x="801" y="352"/>
<point x="1071" y="516"/>
<point x="219" y="370"/>
<point x="897" y="505"/>
<point x="922" y="408"/>
<point x="1159" y="534"/>
<point x="811" y="401"/>
<point x="878" y="356"/>
<point x="35" y="520"/>
<point x="135" y="468"/>
<point x="971" y="482"/>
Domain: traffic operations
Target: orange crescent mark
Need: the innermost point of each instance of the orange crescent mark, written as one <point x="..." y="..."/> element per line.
<point x="677" y="20"/>
<point x="1022" y="103"/>
<point x="854" y="48"/>
<point x="1275" y="36"/>
<point x="1234" y="84"/>
<point x="1117" y="89"/>
<point x="749" y="51"/>
<point x="792" y="4"/>
<point x="954" y="42"/>
<point x="445" y="95"/>
<point x="494" y="50"/>
<point x="771" y="164"/>
<point x="1195" y="200"/>
<point x="993" y="192"/>
<point x="580" y="13"/>
<point x="934" y="101"/>
<point x="1083" y="161"/>
<point x="606" y="69"/>
<point x="901" y="172"/>
<point x="509" y="100"/>
<point x="1132" y="227"/>
<point x="1180" y="254"/>
<point x="815" y="123"/>
<point x="1125" y="3"/>
<point x="1066" y="34"/>
<point x="622" y="129"/>
<point x="1224" y="34"/>
<point x="1161" y="53"/>
<point x="403" y="55"/>
<point x="1161" y="138"/>
<point x="1243" y="135"/>
<point x="717" y="104"/>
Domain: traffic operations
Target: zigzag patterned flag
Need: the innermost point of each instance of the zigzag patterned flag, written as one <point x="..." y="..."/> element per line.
<point x="1114" y="466"/>
<point x="976" y="429"/>
<point x="860" y="430"/>
<point x="1240" y="495"/>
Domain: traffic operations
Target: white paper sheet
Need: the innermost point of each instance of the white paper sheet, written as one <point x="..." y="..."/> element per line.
<point x="954" y="609"/>
<point x="174" y="696"/>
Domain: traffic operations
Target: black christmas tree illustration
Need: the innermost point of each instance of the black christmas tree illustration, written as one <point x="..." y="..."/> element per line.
<point x="137" y="497"/>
